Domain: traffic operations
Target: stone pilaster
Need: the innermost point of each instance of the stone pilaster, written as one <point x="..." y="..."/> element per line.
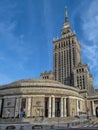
<point x="49" y="108"/>
<point x="17" y="107"/>
<point x="61" y="106"/>
<point x="53" y="106"/>
<point x="64" y="111"/>
<point x="93" y="108"/>
<point x="29" y="106"/>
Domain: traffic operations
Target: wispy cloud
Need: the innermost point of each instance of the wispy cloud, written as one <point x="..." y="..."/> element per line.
<point x="90" y="32"/>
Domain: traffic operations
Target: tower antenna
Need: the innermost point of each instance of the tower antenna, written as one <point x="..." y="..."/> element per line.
<point x="66" y="14"/>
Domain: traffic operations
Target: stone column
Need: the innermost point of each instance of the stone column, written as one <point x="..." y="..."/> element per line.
<point x="93" y="108"/>
<point x="61" y="106"/>
<point x="0" y="105"/>
<point x="53" y="106"/>
<point x="20" y="101"/>
<point x="64" y="107"/>
<point x="49" y="108"/>
<point x="29" y="106"/>
<point x="17" y="107"/>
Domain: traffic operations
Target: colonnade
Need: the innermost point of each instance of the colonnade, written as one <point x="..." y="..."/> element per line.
<point x="55" y="106"/>
<point x="51" y="107"/>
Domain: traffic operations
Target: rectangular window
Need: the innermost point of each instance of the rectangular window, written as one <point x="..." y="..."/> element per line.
<point x="78" y="104"/>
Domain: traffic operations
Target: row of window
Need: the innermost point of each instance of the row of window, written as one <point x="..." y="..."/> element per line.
<point x="67" y="55"/>
<point x="64" y="44"/>
<point x="45" y="77"/>
<point x="80" y="70"/>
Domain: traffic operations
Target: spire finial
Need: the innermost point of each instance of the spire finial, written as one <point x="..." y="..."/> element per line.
<point x="66" y="13"/>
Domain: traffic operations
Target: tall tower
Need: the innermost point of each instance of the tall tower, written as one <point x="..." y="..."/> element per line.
<point x="66" y="54"/>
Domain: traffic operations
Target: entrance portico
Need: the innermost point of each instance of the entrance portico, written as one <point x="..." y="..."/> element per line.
<point x="56" y="106"/>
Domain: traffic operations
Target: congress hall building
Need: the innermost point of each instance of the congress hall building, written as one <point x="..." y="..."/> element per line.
<point x="66" y="91"/>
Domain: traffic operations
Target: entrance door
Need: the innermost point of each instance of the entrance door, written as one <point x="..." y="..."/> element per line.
<point x="96" y="111"/>
<point x="57" y="107"/>
<point x="46" y="107"/>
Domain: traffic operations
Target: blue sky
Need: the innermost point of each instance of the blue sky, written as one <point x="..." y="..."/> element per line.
<point x="27" y="29"/>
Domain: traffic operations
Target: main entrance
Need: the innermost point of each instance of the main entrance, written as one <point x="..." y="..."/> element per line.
<point x="96" y="111"/>
<point x="57" y="107"/>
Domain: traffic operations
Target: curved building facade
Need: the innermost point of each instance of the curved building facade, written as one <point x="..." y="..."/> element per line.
<point x="38" y="97"/>
<point x="43" y="98"/>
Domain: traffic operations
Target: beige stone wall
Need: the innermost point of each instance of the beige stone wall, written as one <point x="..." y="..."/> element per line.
<point x="88" y="107"/>
<point x="83" y="107"/>
<point x="75" y="106"/>
<point x="37" y="106"/>
<point x="9" y="107"/>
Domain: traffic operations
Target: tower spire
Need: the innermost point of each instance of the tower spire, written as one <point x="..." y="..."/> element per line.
<point x="66" y="14"/>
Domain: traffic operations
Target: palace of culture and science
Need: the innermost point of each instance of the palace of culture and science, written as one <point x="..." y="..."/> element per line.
<point x="66" y="91"/>
<point x="68" y="67"/>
